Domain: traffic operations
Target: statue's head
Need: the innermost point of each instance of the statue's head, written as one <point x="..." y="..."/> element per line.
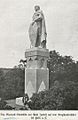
<point x="37" y="8"/>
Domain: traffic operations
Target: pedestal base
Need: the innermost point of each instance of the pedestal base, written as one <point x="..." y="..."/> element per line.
<point x="36" y="71"/>
<point x="36" y="80"/>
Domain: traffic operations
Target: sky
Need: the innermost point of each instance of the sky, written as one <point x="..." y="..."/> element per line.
<point x="61" y="18"/>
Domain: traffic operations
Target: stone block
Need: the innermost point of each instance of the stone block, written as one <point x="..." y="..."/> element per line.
<point x="36" y="80"/>
<point x="37" y="52"/>
<point x="19" y="101"/>
<point x="37" y="57"/>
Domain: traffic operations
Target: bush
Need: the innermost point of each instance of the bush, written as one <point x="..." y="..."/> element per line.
<point x="60" y="97"/>
<point x="2" y="104"/>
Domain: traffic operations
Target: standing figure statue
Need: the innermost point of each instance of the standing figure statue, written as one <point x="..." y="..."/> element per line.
<point x="37" y="29"/>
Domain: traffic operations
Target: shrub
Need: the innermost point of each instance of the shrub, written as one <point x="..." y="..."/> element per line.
<point x="60" y="97"/>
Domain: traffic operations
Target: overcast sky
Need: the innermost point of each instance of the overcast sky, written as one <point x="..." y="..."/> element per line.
<point x="15" y="17"/>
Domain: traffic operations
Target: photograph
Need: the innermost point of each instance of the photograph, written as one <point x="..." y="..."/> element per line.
<point x="39" y="56"/>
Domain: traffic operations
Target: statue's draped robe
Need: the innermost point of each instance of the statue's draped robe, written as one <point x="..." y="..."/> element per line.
<point x="37" y="30"/>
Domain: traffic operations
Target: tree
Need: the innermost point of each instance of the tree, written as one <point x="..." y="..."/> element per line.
<point x="2" y="79"/>
<point x="14" y="84"/>
<point x="61" y="68"/>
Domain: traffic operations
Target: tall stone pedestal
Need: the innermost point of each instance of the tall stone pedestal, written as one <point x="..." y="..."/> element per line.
<point x="36" y="71"/>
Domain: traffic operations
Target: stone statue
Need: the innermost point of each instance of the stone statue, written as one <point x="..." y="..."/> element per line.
<point x="37" y="29"/>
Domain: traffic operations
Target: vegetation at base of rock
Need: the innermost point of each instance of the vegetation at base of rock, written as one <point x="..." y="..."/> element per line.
<point x="59" y="97"/>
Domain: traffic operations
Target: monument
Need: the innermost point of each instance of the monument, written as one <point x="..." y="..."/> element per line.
<point x="36" y="71"/>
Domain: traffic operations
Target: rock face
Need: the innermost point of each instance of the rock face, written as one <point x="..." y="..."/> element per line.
<point x="36" y="72"/>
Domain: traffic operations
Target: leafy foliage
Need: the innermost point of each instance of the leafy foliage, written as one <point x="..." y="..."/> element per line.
<point x="59" y="97"/>
<point x="62" y="68"/>
<point x="2" y="78"/>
